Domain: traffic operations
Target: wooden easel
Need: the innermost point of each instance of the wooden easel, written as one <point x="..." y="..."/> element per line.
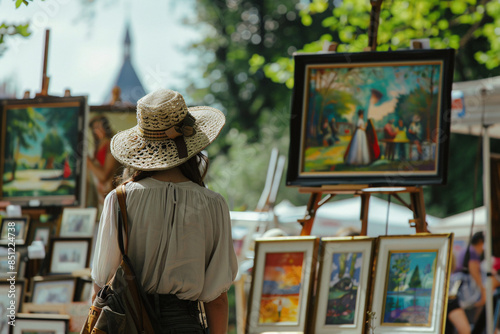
<point x="45" y="78"/>
<point x="316" y="200"/>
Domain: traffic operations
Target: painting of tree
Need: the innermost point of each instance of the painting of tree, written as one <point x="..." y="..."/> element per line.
<point x="409" y="289"/>
<point x="41" y="151"/>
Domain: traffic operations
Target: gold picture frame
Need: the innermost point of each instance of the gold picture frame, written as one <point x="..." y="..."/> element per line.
<point x="410" y="287"/>
<point x="282" y="283"/>
<point x="343" y="285"/>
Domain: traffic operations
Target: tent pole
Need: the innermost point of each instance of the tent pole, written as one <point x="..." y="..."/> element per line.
<point x="487" y="239"/>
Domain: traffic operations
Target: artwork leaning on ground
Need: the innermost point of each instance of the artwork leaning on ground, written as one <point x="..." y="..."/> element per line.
<point x="42" y="149"/>
<point x="410" y="283"/>
<point x="281" y="284"/>
<point x="363" y="118"/>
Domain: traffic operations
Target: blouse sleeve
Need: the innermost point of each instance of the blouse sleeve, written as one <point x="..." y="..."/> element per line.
<point x="107" y="256"/>
<point x="223" y="265"/>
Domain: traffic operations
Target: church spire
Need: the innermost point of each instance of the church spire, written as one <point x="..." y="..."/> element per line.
<point x="127" y="42"/>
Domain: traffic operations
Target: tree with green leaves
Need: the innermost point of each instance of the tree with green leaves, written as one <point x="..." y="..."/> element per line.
<point x="52" y="149"/>
<point x="8" y="30"/>
<point x="240" y="36"/>
<point x="22" y="128"/>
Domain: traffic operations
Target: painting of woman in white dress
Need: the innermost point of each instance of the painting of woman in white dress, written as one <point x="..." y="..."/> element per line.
<point x="360" y="151"/>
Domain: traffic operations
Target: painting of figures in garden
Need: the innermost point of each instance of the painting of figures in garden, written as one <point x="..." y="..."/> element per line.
<point x="344" y="285"/>
<point x="370" y="118"/>
<point x="281" y="288"/>
<point x="409" y="287"/>
<point x="40" y="150"/>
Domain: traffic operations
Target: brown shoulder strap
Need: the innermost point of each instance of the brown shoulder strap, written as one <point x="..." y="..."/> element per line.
<point x="121" y="194"/>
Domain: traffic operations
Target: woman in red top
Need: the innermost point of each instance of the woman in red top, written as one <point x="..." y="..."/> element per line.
<point x="103" y="165"/>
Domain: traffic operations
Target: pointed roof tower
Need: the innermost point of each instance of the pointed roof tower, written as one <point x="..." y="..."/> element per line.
<point x="130" y="86"/>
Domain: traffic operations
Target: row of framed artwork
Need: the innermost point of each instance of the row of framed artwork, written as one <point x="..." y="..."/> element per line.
<point x="64" y="256"/>
<point x="46" y="303"/>
<point x="397" y="284"/>
<point x="75" y="222"/>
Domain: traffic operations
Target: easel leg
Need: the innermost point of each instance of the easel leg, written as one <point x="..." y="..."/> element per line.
<point x="365" y="201"/>
<point x="418" y="208"/>
<point x="312" y="206"/>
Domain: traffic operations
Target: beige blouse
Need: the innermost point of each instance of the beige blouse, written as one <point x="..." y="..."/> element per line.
<point x="180" y="239"/>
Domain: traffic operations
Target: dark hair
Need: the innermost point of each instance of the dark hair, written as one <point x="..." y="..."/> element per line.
<point x="105" y="125"/>
<point x="194" y="169"/>
<point x="361" y="112"/>
<point x="477" y="238"/>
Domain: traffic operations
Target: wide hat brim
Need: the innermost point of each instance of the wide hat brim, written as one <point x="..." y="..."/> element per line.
<point x="131" y="149"/>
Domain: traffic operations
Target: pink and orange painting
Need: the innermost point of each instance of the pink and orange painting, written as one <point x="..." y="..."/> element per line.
<point x="281" y="288"/>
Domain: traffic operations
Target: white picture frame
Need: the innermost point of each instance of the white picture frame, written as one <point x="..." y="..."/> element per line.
<point x="277" y="307"/>
<point x="67" y="255"/>
<point x="399" y="259"/>
<point x="343" y="285"/>
<point x="78" y="222"/>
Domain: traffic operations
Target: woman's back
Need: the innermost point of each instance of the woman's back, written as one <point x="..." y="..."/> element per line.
<point x="179" y="239"/>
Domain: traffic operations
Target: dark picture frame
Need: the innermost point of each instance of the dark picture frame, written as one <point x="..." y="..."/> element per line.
<point x="42" y="150"/>
<point x="67" y="255"/>
<point x="21" y="226"/>
<point x="374" y="118"/>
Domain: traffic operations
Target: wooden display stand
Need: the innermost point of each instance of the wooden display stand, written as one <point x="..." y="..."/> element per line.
<point x="316" y="200"/>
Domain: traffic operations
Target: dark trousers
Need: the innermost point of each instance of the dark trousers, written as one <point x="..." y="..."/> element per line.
<point x="177" y="316"/>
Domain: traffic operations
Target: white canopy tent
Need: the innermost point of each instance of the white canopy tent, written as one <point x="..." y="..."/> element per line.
<point x="476" y="106"/>
<point x="460" y="224"/>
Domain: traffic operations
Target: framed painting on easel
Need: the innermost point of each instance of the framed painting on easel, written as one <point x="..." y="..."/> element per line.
<point x="376" y="118"/>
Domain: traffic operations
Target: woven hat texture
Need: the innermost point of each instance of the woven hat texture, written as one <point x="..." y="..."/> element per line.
<point x="147" y="145"/>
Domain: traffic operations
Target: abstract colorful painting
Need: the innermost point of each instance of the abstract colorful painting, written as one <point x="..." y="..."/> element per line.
<point x="409" y="287"/>
<point x="344" y="283"/>
<point x="365" y="117"/>
<point x="42" y="151"/>
<point x="281" y="288"/>
<point x="282" y="283"/>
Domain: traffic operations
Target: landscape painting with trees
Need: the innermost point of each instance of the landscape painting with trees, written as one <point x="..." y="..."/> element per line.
<point x="40" y="150"/>
<point x="409" y="287"/>
<point x="372" y="117"/>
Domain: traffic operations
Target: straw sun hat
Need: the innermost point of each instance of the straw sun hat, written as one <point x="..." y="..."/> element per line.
<point x="167" y="134"/>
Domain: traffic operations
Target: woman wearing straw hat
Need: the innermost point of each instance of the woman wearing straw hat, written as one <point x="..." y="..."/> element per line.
<point x="180" y="232"/>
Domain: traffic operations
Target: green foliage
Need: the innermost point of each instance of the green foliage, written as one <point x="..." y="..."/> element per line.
<point x="415" y="281"/>
<point x="53" y="146"/>
<point x="244" y="55"/>
<point x="9" y="30"/>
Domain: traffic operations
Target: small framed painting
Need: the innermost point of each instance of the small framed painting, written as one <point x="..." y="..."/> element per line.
<point x="40" y="323"/>
<point x="52" y="289"/>
<point x="10" y="264"/>
<point x="410" y="288"/>
<point x="14" y="230"/>
<point x="77" y="222"/>
<point x="67" y="255"/>
<point x="281" y="288"/>
<point x="343" y="285"/>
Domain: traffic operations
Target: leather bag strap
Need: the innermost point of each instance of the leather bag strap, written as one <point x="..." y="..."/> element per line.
<point x="122" y="219"/>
